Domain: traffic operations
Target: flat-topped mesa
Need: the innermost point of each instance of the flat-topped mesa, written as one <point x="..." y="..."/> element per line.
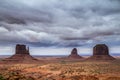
<point x="101" y="52"/>
<point x="74" y="54"/>
<point x="100" y="49"/>
<point x="21" y="55"/>
<point x="21" y="49"/>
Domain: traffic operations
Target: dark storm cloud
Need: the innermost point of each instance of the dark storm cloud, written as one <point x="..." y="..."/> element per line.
<point x="16" y="12"/>
<point x="12" y="20"/>
<point x="59" y="22"/>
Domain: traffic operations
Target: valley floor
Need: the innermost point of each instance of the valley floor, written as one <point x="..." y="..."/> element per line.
<point x="62" y="69"/>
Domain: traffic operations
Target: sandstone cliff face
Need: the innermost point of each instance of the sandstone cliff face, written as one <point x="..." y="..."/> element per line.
<point x="100" y="49"/>
<point x="21" y="55"/>
<point x="21" y="49"/>
<point x="74" y="54"/>
<point x="101" y="52"/>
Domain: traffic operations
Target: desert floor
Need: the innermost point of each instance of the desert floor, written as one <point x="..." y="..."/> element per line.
<point x="61" y="69"/>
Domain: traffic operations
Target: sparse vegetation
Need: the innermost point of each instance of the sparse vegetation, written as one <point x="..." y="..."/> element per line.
<point x="64" y="70"/>
<point x="113" y="78"/>
<point x="1" y="77"/>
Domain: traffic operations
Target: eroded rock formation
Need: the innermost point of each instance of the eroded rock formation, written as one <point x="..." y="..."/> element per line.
<point x="21" y="55"/>
<point x="100" y="49"/>
<point x="101" y="52"/>
<point x="74" y="54"/>
<point x="21" y="49"/>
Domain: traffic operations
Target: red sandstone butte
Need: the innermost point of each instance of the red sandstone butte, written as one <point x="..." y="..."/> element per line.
<point x="74" y="54"/>
<point x="101" y="52"/>
<point x="21" y="55"/>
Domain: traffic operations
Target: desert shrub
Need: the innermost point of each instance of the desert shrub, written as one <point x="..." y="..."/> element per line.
<point x="1" y="77"/>
<point x="62" y="76"/>
<point x="30" y="78"/>
<point x="63" y="62"/>
<point x="16" y="75"/>
<point x="83" y="77"/>
<point x="49" y="78"/>
<point x="91" y="78"/>
<point x="113" y="78"/>
<point x="76" y="77"/>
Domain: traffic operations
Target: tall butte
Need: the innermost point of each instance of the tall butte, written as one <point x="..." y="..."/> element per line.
<point x="21" y="55"/>
<point x="101" y="52"/>
<point x="74" y="54"/>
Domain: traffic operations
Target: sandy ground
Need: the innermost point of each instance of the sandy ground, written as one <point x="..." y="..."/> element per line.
<point x="56" y="68"/>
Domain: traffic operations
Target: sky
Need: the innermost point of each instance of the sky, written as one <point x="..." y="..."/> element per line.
<point x="54" y="27"/>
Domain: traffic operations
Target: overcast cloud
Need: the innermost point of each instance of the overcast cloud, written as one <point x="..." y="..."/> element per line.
<point x="60" y="23"/>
